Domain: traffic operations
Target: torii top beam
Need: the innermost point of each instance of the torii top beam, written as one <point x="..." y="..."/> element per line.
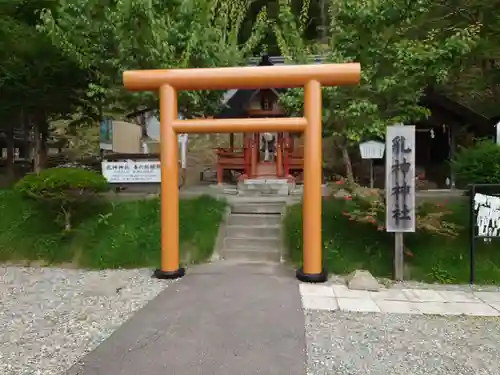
<point x="288" y="76"/>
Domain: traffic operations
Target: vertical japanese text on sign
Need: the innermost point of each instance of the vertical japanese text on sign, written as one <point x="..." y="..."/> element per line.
<point x="400" y="179"/>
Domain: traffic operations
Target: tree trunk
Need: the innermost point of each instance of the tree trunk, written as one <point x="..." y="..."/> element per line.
<point x="347" y="163"/>
<point x="28" y="154"/>
<point x="40" y="135"/>
<point x="324" y="25"/>
<point x="9" y="142"/>
<point x="36" y="147"/>
<point x="43" y="145"/>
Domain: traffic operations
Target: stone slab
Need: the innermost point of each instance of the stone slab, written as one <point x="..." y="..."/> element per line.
<point x="459" y="296"/>
<point x="256" y="231"/>
<point x="316" y="290"/>
<point x="488" y="296"/>
<point x="221" y="319"/>
<point x="253" y="220"/>
<point x="473" y="309"/>
<point x="423" y="295"/>
<point x="389" y="295"/>
<point x="314" y="302"/>
<point x="251" y="254"/>
<point x="398" y="307"/>
<point x="358" y="305"/>
<point x="495" y="305"/>
<point x="342" y="291"/>
<point x="256" y="208"/>
<point x="401" y="301"/>
<point x="271" y="243"/>
<point x="436" y="308"/>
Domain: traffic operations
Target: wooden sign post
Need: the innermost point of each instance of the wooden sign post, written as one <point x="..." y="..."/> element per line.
<point x="400" y="188"/>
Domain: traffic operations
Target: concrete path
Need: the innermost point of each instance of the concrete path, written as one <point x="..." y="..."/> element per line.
<point x="221" y="319"/>
<point x="400" y="301"/>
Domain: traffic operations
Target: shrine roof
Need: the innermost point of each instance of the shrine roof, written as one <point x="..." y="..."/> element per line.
<point x="461" y="114"/>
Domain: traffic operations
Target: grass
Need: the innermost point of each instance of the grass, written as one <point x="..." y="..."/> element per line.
<point x="112" y="235"/>
<point x="351" y="245"/>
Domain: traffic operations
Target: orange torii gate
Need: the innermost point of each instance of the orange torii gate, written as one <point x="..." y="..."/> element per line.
<point x="311" y="77"/>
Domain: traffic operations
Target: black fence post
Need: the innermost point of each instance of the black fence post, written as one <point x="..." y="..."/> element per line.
<point x="491" y="190"/>
<point x="472" y="246"/>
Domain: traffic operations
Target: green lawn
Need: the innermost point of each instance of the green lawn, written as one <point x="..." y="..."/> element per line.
<point x="352" y="245"/>
<point x="111" y="235"/>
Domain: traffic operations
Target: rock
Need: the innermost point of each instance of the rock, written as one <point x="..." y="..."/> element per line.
<point x="362" y="280"/>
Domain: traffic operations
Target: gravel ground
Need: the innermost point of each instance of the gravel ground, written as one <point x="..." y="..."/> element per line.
<point x="389" y="344"/>
<point x="50" y="318"/>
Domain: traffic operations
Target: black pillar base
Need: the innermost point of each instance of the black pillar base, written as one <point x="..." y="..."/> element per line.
<point x="169" y="275"/>
<point x="312" y="277"/>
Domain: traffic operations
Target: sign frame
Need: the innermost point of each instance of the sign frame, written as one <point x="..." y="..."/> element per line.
<point x="145" y="171"/>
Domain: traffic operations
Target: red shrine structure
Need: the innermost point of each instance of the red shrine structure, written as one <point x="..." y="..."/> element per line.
<point x="287" y="159"/>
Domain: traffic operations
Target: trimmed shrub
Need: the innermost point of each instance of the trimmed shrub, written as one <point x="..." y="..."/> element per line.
<point x="479" y="164"/>
<point x="66" y="189"/>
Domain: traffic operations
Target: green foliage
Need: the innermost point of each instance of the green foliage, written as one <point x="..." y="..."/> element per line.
<point x="128" y="235"/>
<point x="477" y="83"/>
<point x="34" y="74"/>
<point x="400" y="56"/>
<point x="66" y="188"/>
<point x="478" y="164"/>
<point x="350" y="244"/>
<point x="116" y="235"/>
<point x="29" y="232"/>
<point x="368" y="206"/>
<point x="109" y="37"/>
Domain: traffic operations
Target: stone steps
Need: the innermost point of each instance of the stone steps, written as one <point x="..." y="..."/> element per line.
<point x="266" y="243"/>
<point x="249" y="220"/>
<point x="270" y="186"/>
<point x="253" y="232"/>
<point x="252" y="255"/>
<point x="257" y="208"/>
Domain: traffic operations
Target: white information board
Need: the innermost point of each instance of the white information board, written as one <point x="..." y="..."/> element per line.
<point x="372" y="150"/>
<point x="130" y="171"/>
<point x="141" y="171"/>
<point x="487" y="210"/>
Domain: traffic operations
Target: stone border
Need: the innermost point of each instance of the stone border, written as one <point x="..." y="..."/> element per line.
<point x="221" y="234"/>
<point x="400" y="301"/>
<point x="283" y="249"/>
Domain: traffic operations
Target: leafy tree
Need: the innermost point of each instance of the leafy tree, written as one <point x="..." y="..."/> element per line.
<point x="36" y="81"/>
<point x="109" y="37"/>
<point x="477" y="84"/>
<point x="67" y="189"/>
<point x="399" y="55"/>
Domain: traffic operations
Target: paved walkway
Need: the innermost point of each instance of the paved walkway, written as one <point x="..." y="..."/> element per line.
<point x="221" y="319"/>
<point x="400" y="301"/>
<point x="234" y="319"/>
